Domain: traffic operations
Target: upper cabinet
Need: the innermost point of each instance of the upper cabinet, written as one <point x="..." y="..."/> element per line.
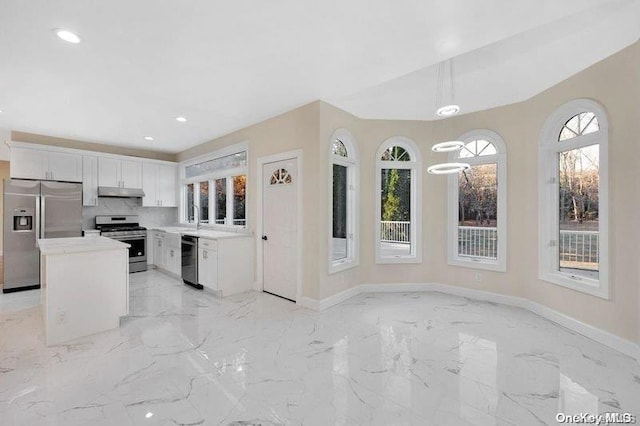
<point x="114" y="172"/>
<point x="89" y="180"/>
<point x="158" y="179"/>
<point x="47" y="165"/>
<point x="159" y="185"/>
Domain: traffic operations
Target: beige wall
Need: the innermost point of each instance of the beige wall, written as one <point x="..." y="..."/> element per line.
<point x="4" y="174"/>
<point x="614" y="82"/>
<point x="89" y="146"/>
<point x="297" y="129"/>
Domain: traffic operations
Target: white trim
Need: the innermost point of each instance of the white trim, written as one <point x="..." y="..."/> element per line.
<point x="415" y="165"/>
<point x="352" y="163"/>
<point x="500" y="159"/>
<point x="549" y="147"/>
<point x="260" y="162"/>
<point x="606" y="338"/>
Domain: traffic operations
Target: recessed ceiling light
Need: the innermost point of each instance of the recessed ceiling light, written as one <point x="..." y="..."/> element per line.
<point x="181" y="119"/>
<point x="148" y="138"/>
<point x="68" y="36"/>
<point x="448" y="110"/>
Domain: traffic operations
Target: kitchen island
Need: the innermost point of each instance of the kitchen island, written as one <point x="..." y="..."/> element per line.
<point x="84" y="286"/>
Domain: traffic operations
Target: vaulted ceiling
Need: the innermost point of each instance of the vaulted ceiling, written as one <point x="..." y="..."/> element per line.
<point x="227" y="64"/>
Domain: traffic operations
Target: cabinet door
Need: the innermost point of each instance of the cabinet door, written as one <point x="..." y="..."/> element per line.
<point x="108" y="172"/>
<point x="211" y="265"/>
<point x="131" y="174"/>
<point x="203" y="276"/>
<point x="167" y="175"/>
<point x="158" y="255"/>
<point x="63" y="166"/>
<point x="150" y="185"/>
<point x="28" y="163"/>
<point x="89" y="181"/>
<point x="173" y="262"/>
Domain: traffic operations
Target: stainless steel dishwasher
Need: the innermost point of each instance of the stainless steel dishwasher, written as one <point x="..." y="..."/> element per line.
<point x="190" y="261"/>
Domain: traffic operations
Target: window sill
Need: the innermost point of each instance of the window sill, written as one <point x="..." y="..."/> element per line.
<point x="399" y="260"/>
<point x="486" y="265"/>
<point x="583" y="285"/>
<point x="343" y="265"/>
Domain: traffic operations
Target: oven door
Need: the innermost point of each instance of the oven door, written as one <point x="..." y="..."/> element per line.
<point x="138" y="249"/>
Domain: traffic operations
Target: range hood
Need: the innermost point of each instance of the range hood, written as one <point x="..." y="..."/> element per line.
<point x="116" y="192"/>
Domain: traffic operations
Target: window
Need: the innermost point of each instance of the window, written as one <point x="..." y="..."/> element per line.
<point x="398" y="171"/>
<point x="573" y="198"/>
<point x="343" y="232"/>
<point x="477" y="204"/>
<point x="223" y="172"/>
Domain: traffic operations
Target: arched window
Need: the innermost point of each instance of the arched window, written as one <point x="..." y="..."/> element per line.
<point x="573" y="204"/>
<point x="343" y="192"/>
<point x="477" y="203"/>
<point x="398" y="171"/>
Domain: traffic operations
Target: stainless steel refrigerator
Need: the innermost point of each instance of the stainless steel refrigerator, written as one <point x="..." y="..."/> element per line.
<point x="32" y="210"/>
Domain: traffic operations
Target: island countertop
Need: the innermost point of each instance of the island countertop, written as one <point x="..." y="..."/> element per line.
<point x="78" y="245"/>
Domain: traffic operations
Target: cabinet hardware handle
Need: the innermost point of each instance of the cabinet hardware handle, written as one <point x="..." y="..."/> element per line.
<point x="264" y="237"/>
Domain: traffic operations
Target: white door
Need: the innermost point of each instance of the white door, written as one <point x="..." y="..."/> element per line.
<point x="150" y="185"/>
<point x="279" y="225"/>
<point x="108" y="172"/>
<point x="63" y="166"/>
<point x="131" y="174"/>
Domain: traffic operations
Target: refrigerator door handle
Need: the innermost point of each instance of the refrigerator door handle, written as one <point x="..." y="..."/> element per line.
<point x="37" y="219"/>
<point x="43" y="215"/>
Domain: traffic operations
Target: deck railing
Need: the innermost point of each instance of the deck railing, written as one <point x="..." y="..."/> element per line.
<point x="394" y="231"/>
<point x="579" y="246"/>
<point x="478" y="241"/>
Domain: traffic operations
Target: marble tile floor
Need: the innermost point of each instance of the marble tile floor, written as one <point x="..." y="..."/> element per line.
<point x="184" y="357"/>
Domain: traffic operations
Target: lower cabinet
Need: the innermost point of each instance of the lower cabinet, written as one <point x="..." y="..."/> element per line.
<point x="167" y="252"/>
<point x="208" y="268"/>
<point x="225" y="265"/>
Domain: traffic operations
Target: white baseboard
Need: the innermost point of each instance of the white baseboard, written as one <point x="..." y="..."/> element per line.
<point x="601" y="336"/>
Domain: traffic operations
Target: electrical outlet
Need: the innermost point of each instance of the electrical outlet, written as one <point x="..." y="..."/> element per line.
<point x="61" y="317"/>
<point x="478" y="277"/>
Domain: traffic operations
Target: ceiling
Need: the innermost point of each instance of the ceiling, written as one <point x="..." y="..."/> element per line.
<point x="227" y="65"/>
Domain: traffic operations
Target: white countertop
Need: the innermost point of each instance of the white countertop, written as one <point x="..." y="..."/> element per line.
<point x="201" y="233"/>
<point x="78" y="245"/>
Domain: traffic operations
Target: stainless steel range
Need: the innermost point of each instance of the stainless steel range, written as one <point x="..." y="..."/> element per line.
<point x="128" y="230"/>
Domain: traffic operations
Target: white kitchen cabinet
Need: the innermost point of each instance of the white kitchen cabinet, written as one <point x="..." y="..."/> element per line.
<point x="225" y="265"/>
<point x="131" y="174"/>
<point x="150" y="185"/>
<point x="158" y="251"/>
<point x="159" y="185"/>
<point x="27" y="163"/>
<point x="65" y="166"/>
<point x="167" y="185"/>
<point x="208" y="268"/>
<point x="89" y="180"/>
<point x="108" y="172"/>
<point x="172" y="260"/>
<point x="114" y="172"/>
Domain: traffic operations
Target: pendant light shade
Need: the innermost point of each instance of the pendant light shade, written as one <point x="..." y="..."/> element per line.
<point x="448" y="168"/>
<point x="448" y="146"/>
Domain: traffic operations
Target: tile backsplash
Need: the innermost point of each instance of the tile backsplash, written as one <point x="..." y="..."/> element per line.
<point x="149" y="216"/>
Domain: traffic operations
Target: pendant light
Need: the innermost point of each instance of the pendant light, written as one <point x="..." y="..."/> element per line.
<point x="447" y="110"/>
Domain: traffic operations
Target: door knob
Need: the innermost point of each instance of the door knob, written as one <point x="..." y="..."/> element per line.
<point x="264" y="237"/>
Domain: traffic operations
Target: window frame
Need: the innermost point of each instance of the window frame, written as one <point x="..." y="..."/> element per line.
<point x="548" y="201"/>
<point x="352" y="164"/>
<point x="229" y="174"/>
<point x="415" y="166"/>
<point x="500" y="159"/>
